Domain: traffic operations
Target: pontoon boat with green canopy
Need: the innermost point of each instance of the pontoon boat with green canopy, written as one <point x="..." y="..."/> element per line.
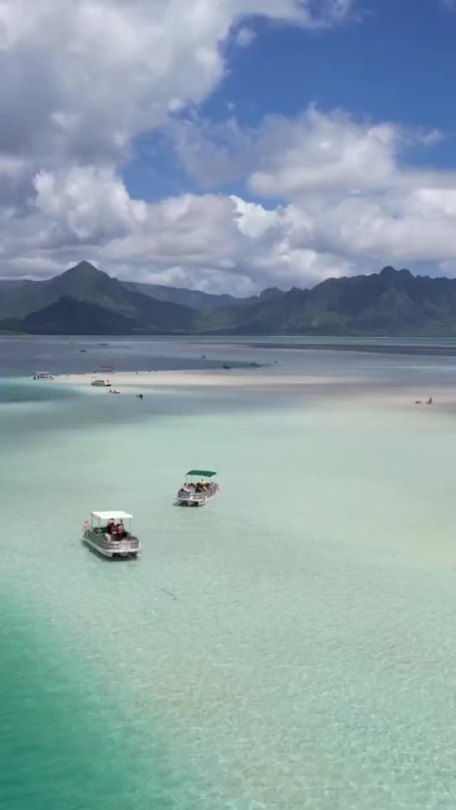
<point x="198" y="489"/>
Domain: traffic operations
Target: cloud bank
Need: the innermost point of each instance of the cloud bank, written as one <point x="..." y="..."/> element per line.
<point x="324" y="193"/>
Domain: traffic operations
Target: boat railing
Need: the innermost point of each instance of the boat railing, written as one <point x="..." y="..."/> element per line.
<point x="197" y="495"/>
<point x="119" y="544"/>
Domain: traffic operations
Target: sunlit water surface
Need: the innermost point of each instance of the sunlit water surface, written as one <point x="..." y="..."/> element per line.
<point x="289" y="646"/>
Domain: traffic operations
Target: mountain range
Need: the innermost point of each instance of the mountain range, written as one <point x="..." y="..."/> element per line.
<point x="85" y="300"/>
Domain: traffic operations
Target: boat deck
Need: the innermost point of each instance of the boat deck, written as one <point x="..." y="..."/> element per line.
<point x="190" y="497"/>
<point x="110" y="547"/>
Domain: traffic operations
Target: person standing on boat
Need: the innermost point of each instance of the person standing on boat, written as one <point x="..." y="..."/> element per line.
<point x="111" y="526"/>
<point x="120" y="529"/>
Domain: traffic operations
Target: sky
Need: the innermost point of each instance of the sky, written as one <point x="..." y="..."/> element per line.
<point x="227" y="145"/>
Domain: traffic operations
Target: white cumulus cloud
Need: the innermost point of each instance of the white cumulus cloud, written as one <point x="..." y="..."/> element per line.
<point x="354" y="193"/>
<point x="325" y="193"/>
<point x="80" y="80"/>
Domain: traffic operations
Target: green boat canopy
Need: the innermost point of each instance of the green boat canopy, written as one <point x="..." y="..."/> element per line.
<point x="202" y="473"/>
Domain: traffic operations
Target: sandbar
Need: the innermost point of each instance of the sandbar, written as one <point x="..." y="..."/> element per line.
<point x="208" y="379"/>
<point x="336" y="389"/>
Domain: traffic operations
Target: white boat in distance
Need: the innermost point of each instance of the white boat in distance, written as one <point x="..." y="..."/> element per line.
<point x="109" y="533"/>
<point x="199" y="488"/>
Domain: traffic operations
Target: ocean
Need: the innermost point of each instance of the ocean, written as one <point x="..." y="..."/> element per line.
<point x="289" y="646"/>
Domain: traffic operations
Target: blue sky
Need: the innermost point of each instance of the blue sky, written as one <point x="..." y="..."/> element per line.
<point x="228" y="145"/>
<point x="391" y="60"/>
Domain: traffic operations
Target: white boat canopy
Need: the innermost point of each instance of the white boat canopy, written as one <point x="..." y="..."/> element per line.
<point x="115" y="515"/>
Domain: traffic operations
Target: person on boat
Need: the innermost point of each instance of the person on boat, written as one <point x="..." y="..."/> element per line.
<point x="111" y="526"/>
<point x="120" y="529"/>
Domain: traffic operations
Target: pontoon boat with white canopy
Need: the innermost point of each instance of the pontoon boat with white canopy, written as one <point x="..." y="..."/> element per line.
<point x="109" y="533"/>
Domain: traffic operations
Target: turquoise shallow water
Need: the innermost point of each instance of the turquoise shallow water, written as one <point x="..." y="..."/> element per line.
<point x="64" y="740"/>
<point x="289" y="646"/>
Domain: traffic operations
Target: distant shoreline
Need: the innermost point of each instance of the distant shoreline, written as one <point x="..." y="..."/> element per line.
<point x="371" y="348"/>
<point x="281" y="342"/>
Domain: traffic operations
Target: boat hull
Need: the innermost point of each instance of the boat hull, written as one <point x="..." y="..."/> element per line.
<point x="106" y="547"/>
<point x="194" y="500"/>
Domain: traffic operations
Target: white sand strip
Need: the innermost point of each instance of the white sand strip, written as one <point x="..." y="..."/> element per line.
<point x="404" y="397"/>
<point x="210" y="378"/>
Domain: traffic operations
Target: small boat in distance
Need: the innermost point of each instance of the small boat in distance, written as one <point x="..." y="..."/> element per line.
<point x="199" y="488"/>
<point x="109" y="533"/>
<point x="100" y="384"/>
<point x="43" y="375"/>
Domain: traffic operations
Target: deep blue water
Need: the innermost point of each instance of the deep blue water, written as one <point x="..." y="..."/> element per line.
<point x="60" y="355"/>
